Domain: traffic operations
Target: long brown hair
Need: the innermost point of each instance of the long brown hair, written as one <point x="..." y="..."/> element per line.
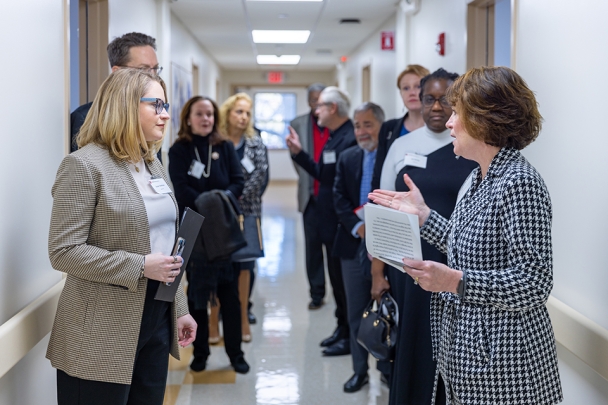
<point x="185" y="132"/>
<point x="113" y="120"/>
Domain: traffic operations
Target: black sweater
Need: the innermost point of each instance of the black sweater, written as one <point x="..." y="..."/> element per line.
<point x="226" y="173"/>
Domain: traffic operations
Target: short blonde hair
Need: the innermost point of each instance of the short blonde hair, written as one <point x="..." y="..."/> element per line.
<point x="113" y="120"/>
<point x="417" y="70"/>
<point x="225" y="109"/>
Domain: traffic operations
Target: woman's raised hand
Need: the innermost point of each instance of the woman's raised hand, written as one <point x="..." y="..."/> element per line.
<point x="162" y="268"/>
<point x="406" y="201"/>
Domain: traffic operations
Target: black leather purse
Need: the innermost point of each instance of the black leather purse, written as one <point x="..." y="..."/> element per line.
<point x="252" y="230"/>
<point x="378" y="329"/>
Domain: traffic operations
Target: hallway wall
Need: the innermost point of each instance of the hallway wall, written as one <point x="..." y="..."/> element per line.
<point x="382" y="72"/>
<point x="562" y="66"/>
<point x="34" y="136"/>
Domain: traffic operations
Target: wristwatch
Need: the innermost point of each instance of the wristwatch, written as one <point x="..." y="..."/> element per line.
<point x="462" y="284"/>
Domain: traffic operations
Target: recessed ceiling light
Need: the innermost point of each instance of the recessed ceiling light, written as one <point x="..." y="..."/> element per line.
<point x="280" y="36"/>
<point x="318" y="1"/>
<point x="278" y="60"/>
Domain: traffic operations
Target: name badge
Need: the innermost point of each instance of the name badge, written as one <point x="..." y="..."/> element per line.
<point x="196" y="169"/>
<point x="160" y="186"/>
<point x="329" y="157"/>
<point x="412" y="159"/>
<point x="247" y="164"/>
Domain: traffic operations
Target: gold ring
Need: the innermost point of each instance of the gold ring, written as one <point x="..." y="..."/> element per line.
<point x="416" y="280"/>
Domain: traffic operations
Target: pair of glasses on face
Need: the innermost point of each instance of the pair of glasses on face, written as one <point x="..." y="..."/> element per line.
<point x="429" y="101"/>
<point x="153" y="70"/>
<point x="159" y="104"/>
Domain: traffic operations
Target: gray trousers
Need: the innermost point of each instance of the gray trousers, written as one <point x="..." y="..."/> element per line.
<point x="358" y="287"/>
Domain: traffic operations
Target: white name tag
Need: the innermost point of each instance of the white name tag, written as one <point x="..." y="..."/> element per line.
<point x="247" y="164"/>
<point x="196" y="169"/>
<point x="412" y="159"/>
<point x="160" y="186"/>
<point x="329" y="157"/>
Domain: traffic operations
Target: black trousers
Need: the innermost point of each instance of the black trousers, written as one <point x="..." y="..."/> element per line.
<point x="315" y="270"/>
<point x="230" y="310"/>
<point x="358" y="285"/>
<point x="149" y="371"/>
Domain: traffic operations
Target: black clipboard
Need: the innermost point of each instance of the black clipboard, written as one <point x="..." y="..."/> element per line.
<point x="188" y="229"/>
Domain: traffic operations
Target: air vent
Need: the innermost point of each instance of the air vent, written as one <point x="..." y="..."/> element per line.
<point x="350" y="21"/>
<point x="324" y="52"/>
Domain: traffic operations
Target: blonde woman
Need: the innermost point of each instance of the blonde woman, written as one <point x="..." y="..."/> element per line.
<point x="236" y="124"/>
<point x="112" y="232"/>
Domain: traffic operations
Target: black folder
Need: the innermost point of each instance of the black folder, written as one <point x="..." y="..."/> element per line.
<point x="188" y="229"/>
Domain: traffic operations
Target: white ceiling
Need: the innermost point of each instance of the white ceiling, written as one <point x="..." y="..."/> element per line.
<point x="224" y="27"/>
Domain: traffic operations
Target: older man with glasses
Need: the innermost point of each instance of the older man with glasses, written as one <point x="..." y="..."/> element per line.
<point x="133" y="50"/>
<point x="332" y="113"/>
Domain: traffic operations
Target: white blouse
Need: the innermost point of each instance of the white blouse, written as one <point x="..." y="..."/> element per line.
<point x="422" y="142"/>
<point x="160" y="210"/>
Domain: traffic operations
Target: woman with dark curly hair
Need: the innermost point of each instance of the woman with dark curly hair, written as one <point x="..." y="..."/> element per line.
<point x="492" y="336"/>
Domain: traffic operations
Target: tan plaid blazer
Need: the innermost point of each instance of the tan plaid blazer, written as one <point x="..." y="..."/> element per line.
<point x="99" y="234"/>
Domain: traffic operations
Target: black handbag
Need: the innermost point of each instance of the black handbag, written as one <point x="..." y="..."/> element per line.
<point x="252" y="231"/>
<point x="378" y="329"/>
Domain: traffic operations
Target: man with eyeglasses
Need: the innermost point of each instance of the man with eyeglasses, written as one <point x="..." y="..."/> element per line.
<point x="332" y="111"/>
<point x="133" y="50"/>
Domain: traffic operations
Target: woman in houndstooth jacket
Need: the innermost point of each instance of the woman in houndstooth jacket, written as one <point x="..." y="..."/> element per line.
<point x="112" y="232"/>
<point x="492" y="336"/>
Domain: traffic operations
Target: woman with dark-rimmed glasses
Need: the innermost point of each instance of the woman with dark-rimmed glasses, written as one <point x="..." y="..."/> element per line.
<point x="112" y="231"/>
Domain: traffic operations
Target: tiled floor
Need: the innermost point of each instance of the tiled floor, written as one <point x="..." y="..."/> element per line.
<point x="285" y="358"/>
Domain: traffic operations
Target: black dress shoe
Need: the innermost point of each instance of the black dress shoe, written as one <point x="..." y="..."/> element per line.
<point x="339" y="334"/>
<point x="384" y="379"/>
<point x="240" y="365"/>
<point x="355" y="383"/>
<point x="340" y="348"/>
<point x="315" y="304"/>
<point x="251" y="318"/>
<point x="198" y="364"/>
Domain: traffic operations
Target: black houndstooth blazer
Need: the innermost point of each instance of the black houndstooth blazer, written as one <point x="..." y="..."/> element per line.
<point x="99" y="234"/>
<point x="496" y="345"/>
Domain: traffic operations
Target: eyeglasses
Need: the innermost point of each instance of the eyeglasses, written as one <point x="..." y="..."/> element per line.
<point x="429" y="101"/>
<point x="159" y="104"/>
<point x="154" y="70"/>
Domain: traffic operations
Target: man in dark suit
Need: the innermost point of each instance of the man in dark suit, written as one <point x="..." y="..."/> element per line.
<point x="132" y="50"/>
<point x="312" y="138"/>
<point x="351" y="187"/>
<point x="332" y="111"/>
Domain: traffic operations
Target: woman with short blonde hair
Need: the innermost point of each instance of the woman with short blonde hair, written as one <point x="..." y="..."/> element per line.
<point x="236" y="124"/>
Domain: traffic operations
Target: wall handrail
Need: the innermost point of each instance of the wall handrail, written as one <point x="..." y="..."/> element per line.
<point x="585" y="338"/>
<point x="29" y="326"/>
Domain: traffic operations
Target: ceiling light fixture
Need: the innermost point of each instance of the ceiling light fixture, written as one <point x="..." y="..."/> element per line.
<point x="278" y="60"/>
<point x="318" y="1"/>
<point x="280" y="36"/>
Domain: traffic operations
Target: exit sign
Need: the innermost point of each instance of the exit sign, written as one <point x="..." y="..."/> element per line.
<point x="275" y="77"/>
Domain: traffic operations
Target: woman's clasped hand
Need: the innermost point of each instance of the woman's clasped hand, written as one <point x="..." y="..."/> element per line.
<point x="162" y="268"/>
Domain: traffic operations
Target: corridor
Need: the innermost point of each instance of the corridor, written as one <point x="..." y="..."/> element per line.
<point x="285" y="358"/>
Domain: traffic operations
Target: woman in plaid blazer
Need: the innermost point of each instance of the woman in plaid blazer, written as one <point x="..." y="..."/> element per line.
<point x="112" y="233"/>
<point x="492" y="336"/>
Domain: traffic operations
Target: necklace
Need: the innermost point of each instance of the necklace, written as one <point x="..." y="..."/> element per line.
<point x="198" y="157"/>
